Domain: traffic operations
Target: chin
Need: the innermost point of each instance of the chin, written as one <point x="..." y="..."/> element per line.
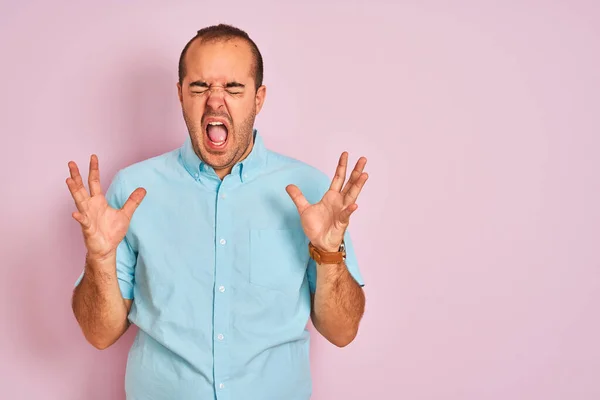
<point x="218" y="159"/>
<point x="220" y="155"/>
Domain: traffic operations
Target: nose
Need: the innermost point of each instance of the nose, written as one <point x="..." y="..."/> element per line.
<point x="216" y="97"/>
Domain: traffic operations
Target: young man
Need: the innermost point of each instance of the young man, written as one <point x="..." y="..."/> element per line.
<point x="221" y="250"/>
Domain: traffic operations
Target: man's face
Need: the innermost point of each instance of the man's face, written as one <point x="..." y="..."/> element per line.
<point x="219" y="101"/>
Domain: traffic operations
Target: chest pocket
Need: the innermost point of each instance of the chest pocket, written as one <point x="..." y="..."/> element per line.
<point x="278" y="259"/>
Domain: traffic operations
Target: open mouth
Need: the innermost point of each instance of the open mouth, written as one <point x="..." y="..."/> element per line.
<point x="217" y="133"/>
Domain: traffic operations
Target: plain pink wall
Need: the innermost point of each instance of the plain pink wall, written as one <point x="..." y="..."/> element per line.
<point x="478" y="232"/>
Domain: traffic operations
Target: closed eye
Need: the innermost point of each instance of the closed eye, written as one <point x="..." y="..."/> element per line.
<point x="232" y="88"/>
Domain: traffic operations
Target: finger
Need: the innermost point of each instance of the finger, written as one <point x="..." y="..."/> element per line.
<point x="75" y="184"/>
<point x="78" y="195"/>
<point x="75" y="175"/>
<point x="81" y="218"/>
<point x="297" y="197"/>
<point x="358" y="169"/>
<point x="340" y="173"/>
<point x="133" y="202"/>
<point x="94" y="177"/>
<point x="347" y="212"/>
<point x="355" y="189"/>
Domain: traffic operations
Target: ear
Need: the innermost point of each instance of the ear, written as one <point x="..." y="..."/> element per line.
<point x="261" y="93"/>
<point x="179" y="93"/>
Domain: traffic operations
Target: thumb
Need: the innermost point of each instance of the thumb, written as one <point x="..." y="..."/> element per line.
<point x="133" y="202"/>
<point x="297" y="197"/>
<point x="344" y="216"/>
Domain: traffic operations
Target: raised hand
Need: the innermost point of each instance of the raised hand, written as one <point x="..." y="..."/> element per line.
<point x="103" y="226"/>
<point x="325" y="222"/>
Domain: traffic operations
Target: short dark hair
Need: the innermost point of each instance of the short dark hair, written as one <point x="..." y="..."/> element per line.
<point x="225" y="32"/>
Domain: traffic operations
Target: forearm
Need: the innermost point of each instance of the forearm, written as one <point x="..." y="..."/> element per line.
<point x="338" y="305"/>
<point x="98" y="305"/>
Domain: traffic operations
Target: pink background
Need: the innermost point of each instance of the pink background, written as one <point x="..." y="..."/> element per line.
<point x="478" y="232"/>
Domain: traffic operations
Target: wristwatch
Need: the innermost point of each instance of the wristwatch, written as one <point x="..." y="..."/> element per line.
<point x="327" y="257"/>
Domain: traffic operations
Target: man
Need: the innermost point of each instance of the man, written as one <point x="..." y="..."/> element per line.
<point x="219" y="251"/>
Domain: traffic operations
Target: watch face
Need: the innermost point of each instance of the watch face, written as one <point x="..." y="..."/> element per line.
<point x="343" y="250"/>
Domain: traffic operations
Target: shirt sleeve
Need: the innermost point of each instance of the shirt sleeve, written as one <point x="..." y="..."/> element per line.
<point x="116" y="195"/>
<point x="351" y="259"/>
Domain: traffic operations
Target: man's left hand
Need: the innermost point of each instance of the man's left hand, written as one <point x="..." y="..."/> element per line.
<point x="325" y="222"/>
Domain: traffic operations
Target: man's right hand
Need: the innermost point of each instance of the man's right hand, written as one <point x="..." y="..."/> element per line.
<point x="103" y="226"/>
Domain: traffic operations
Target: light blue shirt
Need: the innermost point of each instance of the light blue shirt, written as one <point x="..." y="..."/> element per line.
<point x="220" y="276"/>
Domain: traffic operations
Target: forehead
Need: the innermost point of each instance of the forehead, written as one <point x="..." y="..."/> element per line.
<point x="219" y="61"/>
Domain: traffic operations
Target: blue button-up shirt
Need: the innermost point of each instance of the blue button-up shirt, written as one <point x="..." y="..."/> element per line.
<point x="220" y="275"/>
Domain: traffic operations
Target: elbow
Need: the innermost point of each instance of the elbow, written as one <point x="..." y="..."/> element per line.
<point x="340" y="335"/>
<point x="343" y="340"/>
<point x="341" y="343"/>
<point x="100" y="344"/>
<point x="101" y="341"/>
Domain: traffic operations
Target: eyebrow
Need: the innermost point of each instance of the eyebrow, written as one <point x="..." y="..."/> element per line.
<point x="228" y="85"/>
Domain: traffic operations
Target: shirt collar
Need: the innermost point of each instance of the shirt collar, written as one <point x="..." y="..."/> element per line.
<point x="246" y="169"/>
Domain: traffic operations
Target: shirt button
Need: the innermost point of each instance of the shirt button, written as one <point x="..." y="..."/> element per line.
<point x="220" y="336"/>
<point x="245" y="175"/>
<point x="221" y="289"/>
<point x="222" y="241"/>
<point x="221" y="386"/>
<point x="223" y="196"/>
<point x="196" y="174"/>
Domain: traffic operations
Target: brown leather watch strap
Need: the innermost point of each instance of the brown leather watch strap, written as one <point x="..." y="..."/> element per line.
<point x="325" y="257"/>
